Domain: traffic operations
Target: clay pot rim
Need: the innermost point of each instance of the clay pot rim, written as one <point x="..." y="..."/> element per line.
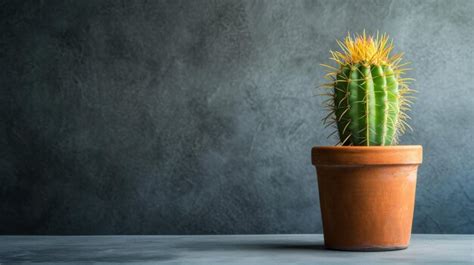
<point x="367" y="155"/>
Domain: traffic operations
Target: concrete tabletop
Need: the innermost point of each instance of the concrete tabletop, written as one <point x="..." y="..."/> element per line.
<point x="224" y="249"/>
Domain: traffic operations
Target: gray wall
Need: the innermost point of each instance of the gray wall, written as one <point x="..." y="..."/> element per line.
<point x="190" y="117"/>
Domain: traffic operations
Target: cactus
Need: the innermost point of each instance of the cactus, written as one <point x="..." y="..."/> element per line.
<point x="368" y="97"/>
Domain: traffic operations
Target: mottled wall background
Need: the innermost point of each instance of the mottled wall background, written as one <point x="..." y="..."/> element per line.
<point x="190" y="117"/>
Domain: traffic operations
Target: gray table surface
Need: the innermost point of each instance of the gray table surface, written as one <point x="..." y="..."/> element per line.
<point x="224" y="249"/>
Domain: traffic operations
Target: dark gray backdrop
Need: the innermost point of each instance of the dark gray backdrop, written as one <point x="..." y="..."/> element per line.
<point x="190" y="117"/>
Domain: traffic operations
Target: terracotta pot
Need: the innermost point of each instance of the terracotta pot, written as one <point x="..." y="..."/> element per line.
<point x="367" y="195"/>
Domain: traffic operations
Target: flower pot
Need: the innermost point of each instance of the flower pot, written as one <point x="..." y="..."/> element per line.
<point x="367" y="195"/>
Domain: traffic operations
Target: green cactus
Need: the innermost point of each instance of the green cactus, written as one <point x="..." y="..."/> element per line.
<point x="368" y="96"/>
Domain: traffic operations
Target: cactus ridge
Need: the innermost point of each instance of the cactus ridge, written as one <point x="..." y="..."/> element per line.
<point x="368" y="98"/>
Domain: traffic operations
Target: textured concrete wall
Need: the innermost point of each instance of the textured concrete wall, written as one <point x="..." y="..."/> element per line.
<point x="186" y="117"/>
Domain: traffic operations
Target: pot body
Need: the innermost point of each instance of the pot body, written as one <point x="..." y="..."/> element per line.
<point x="367" y="195"/>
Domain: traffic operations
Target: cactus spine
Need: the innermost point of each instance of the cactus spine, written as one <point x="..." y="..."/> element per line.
<point x="368" y="96"/>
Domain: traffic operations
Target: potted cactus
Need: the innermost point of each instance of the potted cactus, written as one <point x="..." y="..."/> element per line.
<point x="367" y="182"/>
